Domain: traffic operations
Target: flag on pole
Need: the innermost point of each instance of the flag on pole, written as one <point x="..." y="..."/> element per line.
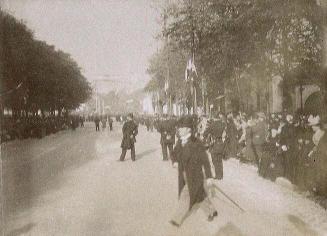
<point x="190" y="71"/>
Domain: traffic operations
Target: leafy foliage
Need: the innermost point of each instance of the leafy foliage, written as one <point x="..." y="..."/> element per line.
<point x="51" y="79"/>
<point x="259" y="38"/>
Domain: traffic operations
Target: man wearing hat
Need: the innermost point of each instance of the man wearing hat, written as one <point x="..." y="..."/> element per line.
<point x="191" y="156"/>
<point x="287" y="144"/>
<point x="259" y="134"/>
<point x="214" y="133"/>
<point x="167" y="130"/>
<point x="319" y="155"/>
<point x="130" y="130"/>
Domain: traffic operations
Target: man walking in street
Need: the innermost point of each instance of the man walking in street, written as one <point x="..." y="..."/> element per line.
<point x="191" y="156"/>
<point x="97" y="123"/>
<point x="167" y="129"/>
<point x="259" y="135"/>
<point x="110" y="121"/>
<point x="214" y="136"/>
<point x="130" y="130"/>
<point x="287" y="143"/>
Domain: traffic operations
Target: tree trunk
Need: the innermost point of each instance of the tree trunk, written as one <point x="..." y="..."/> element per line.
<point x="323" y="5"/>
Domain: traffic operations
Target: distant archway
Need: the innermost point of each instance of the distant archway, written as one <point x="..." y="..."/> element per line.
<point x="314" y="104"/>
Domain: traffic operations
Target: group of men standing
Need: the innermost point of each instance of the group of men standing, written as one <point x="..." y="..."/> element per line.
<point x="103" y="120"/>
<point x="282" y="145"/>
<point x="279" y="145"/>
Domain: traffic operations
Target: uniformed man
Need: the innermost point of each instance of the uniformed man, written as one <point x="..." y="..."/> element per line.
<point x="110" y="120"/>
<point x="214" y="137"/>
<point x="259" y="135"/>
<point x="130" y="130"/>
<point x="287" y="144"/>
<point x="231" y="136"/>
<point x="97" y="123"/>
<point x="167" y="130"/>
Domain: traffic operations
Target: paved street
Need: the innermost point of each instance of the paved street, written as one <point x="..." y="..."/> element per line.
<point x="71" y="183"/>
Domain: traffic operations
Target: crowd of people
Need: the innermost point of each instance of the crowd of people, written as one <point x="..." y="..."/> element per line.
<point x="279" y="144"/>
<point x="37" y="126"/>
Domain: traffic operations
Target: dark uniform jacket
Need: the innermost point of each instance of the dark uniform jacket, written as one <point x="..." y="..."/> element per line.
<point x="320" y="157"/>
<point x="191" y="158"/>
<point x="287" y="136"/>
<point x="130" y="130"/>
<point x="167" y="129"/>
<point x="214" y="132"/>
<point x="259" y="133"/>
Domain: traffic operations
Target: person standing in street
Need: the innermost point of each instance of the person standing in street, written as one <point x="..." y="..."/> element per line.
<point x="214" y="135"/>
<point x="110" y="121"/>
<point x="319" y="155"/>
<point x="259" y="135"/>
<point x="81" y="121"/>
<point x="130" y="130"/>
<point x="287" y="144"/>
<point x="191" y="157"/>
<point x="104" y="123"/>
<point x="167" y="129"/>
<point x="97" y="123"/>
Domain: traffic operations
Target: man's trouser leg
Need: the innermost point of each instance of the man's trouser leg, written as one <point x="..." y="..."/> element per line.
<point x="164" y="151"/>
<point x="217" y="162"/>
<point x="123" y="154"/>
<point x="133" y="152"/>
<point x="182" y="210"/>
<point x="170" y="148"/>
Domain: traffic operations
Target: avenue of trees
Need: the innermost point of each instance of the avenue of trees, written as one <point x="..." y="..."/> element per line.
<point x="34" y="75"/>
<point x="239" y="46"/>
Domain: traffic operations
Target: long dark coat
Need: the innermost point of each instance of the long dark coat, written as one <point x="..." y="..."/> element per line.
<point x="191" y="158"/>
<point x="259" y="133"/>
<point x="231" y="139"/>
<point x="130" y="130"/>
<point x="320" y="157"/>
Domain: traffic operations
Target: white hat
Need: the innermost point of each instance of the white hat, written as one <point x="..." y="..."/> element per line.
<point x="314" y="120"/>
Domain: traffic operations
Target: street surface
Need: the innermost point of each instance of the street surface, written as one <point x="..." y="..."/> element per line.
<point x="71" y="183"/>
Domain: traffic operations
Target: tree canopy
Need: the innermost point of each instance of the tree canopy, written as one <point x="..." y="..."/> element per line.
<point x="36" y="76"/>
<point x="230" y="38"/>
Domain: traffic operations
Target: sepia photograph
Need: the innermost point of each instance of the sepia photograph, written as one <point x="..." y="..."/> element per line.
<point x="163" y="117"/>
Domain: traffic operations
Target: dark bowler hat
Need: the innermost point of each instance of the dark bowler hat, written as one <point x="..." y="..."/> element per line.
<point x="130" y="115"/>
<point x="186" y="122"/>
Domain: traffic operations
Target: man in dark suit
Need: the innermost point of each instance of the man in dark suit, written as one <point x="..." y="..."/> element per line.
<point x="287" y="144"/>
<point x="110" y="120"/>
<point x="130" y="130"/>
<point x="167" y="129"/>
<point x="190" y="156"/>
<point x="97" y="123"/>
<point x="214" y="135"/>
<point x="259" y="134"/>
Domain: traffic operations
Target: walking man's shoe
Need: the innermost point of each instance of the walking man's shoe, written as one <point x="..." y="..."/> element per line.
<point x="174" y="223"/>
<point x="211" y="217"/>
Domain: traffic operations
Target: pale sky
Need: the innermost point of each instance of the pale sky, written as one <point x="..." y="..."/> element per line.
<point x="105" y="37"/>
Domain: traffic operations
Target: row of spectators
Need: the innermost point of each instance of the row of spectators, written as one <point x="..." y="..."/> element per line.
<point x="282" y="145"/>
<point x="36" y="126"/>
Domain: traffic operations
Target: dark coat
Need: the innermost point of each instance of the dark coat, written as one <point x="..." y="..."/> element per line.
<point x="259" y="132"/>
<point x="191" y="158"/>
<point x="167" y="129"/>
<point x="287" y="136"/>
<point x="320" y="157"/>
<point x="130" y="130"/>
